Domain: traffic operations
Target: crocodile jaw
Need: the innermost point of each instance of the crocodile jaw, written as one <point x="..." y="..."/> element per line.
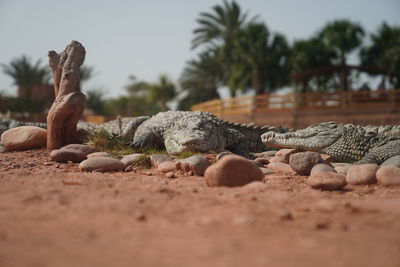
<point x="305" y="140"/>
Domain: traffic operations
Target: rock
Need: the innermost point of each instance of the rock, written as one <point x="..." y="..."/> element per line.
<point x="223" y="154"/>
<point x="362" y="174"/>
<point x="266" y="171"/>
<point x="196" y="165"/>
<point x="24" y="138"/>
<point x="254" y="187"/>
<point x="283" y="155"/>
<point x="266" y="154"/>
<point x="262" y="161"/>
<point x="281" y="167"/>
<point x="2" y="149"/>
<point x="98" y="154"/>
<point x="327" y="181"/>
<point x="303" y="162"/>
<point x="65" y="155"/>
<point x="341" y="168"/>
<point x="231" y="171"/>
<point x="388" y="175"/>
<point x="167" y="166"/>
<point x="157" y="159"/>
<point x="101" y="164"/>
<point x="285" y="215"/>
<point x="170" y="175"/>
<point x="86" y="149"/>
<point x="322" y="167"/>
<point x="326" y="158"/>
<point x="131" y="159"/>
<point x="394" y="161"/>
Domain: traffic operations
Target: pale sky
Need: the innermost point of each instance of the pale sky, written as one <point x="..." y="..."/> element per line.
<point x="148" y="38"/>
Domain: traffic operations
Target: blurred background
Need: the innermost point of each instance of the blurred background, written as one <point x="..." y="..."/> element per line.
<point x="241" y="60"/>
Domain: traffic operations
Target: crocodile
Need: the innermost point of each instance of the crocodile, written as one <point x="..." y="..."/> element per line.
<point x="343" y="142"/>
<point x="184" y="131"/>
<point x="196" y="131"/>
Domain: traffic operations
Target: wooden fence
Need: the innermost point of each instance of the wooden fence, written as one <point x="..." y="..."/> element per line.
<point x="291" y="108"/>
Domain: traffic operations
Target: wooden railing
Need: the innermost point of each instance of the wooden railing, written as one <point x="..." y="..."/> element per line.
<point x="383" y="100"/>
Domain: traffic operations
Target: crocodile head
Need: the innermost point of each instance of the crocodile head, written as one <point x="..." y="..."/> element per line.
<point x="315" y="137"/>
<point x="193" y="136"/>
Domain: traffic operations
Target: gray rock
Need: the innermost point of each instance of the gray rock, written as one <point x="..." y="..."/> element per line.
<point x="86" y="149"/>
<point x="196" y="165"/>
<point x="394" y="161"/>
<point x="64" y="155"/>
<point x="341" y="168"/>
<point x="157" y="159"/>
<point x="388" y="175"/>
<point x="303" y="162"/>
<point x="232" y="171"/>
<point x="322" y="167"/>
<point x="131" y="159"/>
<point x="98" y="154"/>
<point x="101" y="164"/>
<point x="24" y="138"/>
<point x="167" y="166"/>
<point x="283" y="155"/>
<point x="362" y="174"/>
<point x="327" y="181"/>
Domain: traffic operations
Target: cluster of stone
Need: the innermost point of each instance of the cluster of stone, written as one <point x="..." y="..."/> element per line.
<point x="324" y="174"/>
<point x="228" y="170"/>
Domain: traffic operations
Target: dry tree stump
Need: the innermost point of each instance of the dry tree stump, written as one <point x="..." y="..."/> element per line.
<point x="69" y="101"/>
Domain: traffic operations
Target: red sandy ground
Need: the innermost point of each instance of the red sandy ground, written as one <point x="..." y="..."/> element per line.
<point x="57" y="216"/>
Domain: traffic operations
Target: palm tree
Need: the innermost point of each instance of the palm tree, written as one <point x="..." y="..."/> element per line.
<point x="343" y="36"/>
<point x="200" y="79"/>
<point x="310" y="54"/>
<point x="27" y="75"/>
<point x="162" y="92"/>
<point x="218" y="30"/>
<point x="384" y="51"/>
<point x="265" y="54"/>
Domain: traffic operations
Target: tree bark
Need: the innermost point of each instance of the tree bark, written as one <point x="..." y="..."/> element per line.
<point x="69" y="101"/>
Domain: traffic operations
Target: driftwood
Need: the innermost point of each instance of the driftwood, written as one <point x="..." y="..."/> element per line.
<point x="69" y="101"/>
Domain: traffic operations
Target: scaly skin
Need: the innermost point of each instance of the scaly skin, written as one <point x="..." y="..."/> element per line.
<point x="184" y="131"/>
<point x="180" y="131"/>
<point x="343" y="142"/>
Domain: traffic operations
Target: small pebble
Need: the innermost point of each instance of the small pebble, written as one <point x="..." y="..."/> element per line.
<point x="362" y="174"/>
<point x="303" y="162"/>
<point x="231" y="171"/>
<point x="285" y="215"/>
<point x="327" y="181"/>
<point x="98" y="154"/>
<point x="388" y="175"/>
<point x="65" y="155"/>
<point x="167" y="166"/>
<point x="101" y="164"/>
<point x="322" y="168"/>
<point x="170" y="175"/>
<point x="157" y="159"/>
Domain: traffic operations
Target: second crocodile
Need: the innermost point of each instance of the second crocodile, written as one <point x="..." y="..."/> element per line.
<point x="344" y="142"/>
